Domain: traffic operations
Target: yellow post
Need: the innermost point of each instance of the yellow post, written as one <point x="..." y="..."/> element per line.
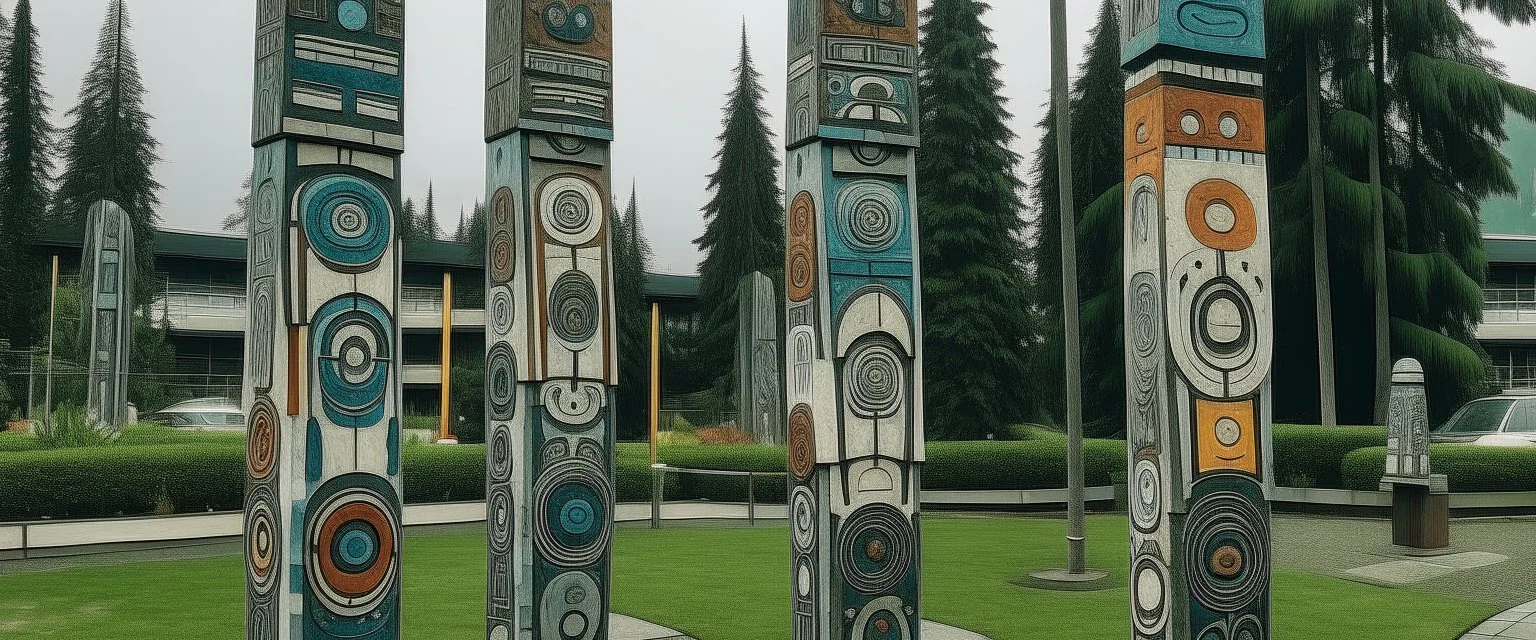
<point x="655" y="374"/>
<point x="445" y="423"/>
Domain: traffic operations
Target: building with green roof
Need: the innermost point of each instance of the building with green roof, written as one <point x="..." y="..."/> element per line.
<point x="1508" y="331"/>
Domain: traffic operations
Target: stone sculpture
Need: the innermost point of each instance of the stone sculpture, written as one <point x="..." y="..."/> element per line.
<point x="323" y="489"/>
<point x="1197" y="318"/>
<point x="551" y="357"/>
<point x="1421" y="501"/>
<point x="853" y="358"/>
<point x="106" y="273"/>
<point x="759" y="388"/>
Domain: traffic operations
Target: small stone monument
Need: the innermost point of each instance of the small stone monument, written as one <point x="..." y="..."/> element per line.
<point x="1420" y="500"/>
<point x="106" y="273"/>
<point x="757" y="361"/>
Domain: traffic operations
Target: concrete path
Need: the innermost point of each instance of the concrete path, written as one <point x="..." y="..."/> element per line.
<point x="1518" y="623"/>
<point x="622" y="627"/>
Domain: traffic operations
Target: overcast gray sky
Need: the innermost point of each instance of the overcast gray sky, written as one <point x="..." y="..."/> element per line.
<point x="673" y="61"/>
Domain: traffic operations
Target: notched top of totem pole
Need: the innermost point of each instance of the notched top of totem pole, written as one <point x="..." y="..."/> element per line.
<point x="1217" y="27"/>
<point x="549" y="67"/>
<point x="852" y="71"/>
<point x="1408" y="371"/>
<point x="330" y="70"/>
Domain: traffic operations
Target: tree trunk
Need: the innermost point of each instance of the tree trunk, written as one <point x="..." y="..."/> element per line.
<point x="1322" y="276"/>
<point x="1379" y="248"/>
<point x="1076" y="560"/>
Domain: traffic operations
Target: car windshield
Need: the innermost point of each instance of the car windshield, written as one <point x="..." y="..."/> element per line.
<point x="1481" y="416"/>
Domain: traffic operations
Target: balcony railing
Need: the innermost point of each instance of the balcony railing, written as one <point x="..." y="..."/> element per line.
<point x="1509" y="305"/>
<point x="1514" y="376"/>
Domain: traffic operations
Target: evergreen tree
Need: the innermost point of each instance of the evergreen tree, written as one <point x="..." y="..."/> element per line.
<point x="1098" y="167"/>
<point x="427" y="227"/>
<point x="26" y="143"/>
<point x="109" y="153"/>
<point x="407" y="221"/>
<point x="977" y="325"/>
<point x="1445" y="102"/>
<point x="745" y="217"/>
<point x="631" y="258"/>
<point x="460" y="230"/>
<point x="237" y="219"/>
<point x="475" y="233"/>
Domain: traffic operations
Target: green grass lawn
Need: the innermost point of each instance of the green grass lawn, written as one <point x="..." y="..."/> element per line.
<point x="720" y="584"/>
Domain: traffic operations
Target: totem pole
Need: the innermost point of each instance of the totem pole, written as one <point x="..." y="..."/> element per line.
<point x="1198" y="322"/>
<point x="854" y="320"/>
<point x="323" y="494"/>
<point x="106" y="272"/>
<point x="551" y="359"/>
<point x="759" y="388"/>
<point x="1421" y="501"/>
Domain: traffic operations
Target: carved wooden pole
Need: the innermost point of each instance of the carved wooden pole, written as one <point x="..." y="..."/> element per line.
<point x="1198" y="323"/>
<point x="854" y="315"/>
<point x="551" y="358"/>
<point x="322" y="513"/>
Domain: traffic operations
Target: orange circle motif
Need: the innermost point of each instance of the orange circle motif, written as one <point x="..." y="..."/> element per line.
<point x="373" y="574"/>
<point x="261" y="441"/>
<point x="1221" y="216"/>
<point x="1227" y="562"/>
<point x="800" y="261"/>
<point x="802" y="443"/>
<point x="501" y="207"/>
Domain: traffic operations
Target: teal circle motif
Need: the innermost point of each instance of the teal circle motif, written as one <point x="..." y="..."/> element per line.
<point x="577" y="516"/>
<point x="357" y="547"/>
<point x="353" y="15"/>
<point x="347" y="221"/>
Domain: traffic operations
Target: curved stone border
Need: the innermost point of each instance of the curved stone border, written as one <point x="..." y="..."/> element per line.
<point x="1516" y="624"/>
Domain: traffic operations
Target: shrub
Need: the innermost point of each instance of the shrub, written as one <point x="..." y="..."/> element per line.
<point x="1030" y="464"/>
<point x="11" y="442"/>
<point x="1469" y="468"/>
<point x="104" y="482"/>
<point x="69" y="427"/>
<point x="1308" y="456"/>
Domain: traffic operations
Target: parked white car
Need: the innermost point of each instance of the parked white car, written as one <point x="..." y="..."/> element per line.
<point x="204" y="414"/>
<point x="1501" y="421"/>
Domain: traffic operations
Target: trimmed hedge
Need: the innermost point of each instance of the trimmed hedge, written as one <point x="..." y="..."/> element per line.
<point x="1309" y="456"/>
<point x="1469" y="468"/>
<point x="1027" y="464"/>
<point x="105" y="482"/>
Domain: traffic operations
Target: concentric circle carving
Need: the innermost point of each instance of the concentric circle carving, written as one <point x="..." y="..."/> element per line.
<point x="1149" y="594"/>
<point x="572" y="210"/>
<point x="574" y="313"/>
<point x="502" y="263"/>
<point x="1226" y="542"/>
<point x="802" y="442"/>
<point x="500" y="311"/>
<point x="261" y="541"/>
<point x="353" y="343"/>
<point x="573" y="519"/>
<point x="800" y="256"/>
<point x="498" y="511"/>
<point x="261" y="441"/>
<point x="802" y="509"/>
<point x="870" y="216"/>
<point x="352" y="554"/>
<point x="571" y="608"/>
<point x="1221" y="215"/>
<point x="499" y="453"/>
<point x="1224" y="326"/>
<point x="1146" y="496"/>
<point x="876" y="546"/>
<point x="501" y="381"/>
<point x="875" y="379"/>
<point x="348" y="222"/>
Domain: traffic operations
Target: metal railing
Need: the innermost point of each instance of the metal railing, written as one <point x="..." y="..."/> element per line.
<point x="1514" y="376"/>
<point x="658" y="488"/>
<point x="1509" y="305"/>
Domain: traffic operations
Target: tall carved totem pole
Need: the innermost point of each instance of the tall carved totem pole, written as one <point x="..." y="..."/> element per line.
<point x="854" y="313"/>
<point x="107" y="274"/>
<point x="551" y="358"/>
<point x="1197" y="318"/>
<point x="322" y="513"/>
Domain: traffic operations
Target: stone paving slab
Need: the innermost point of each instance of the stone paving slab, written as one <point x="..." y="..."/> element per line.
<point x="622" y="627"/>
<point x="1518" y="623"/>
<point x="935" y="631"/>
<point x="1401" y="572"/>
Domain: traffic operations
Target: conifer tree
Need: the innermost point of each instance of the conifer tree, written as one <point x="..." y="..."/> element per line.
<point x="109" y="153"/>
<point x="977" y="324"/>
<point x="460" y="230"/>
<point x="406" y="221"/>
<point x="631" y="259"/>
<point x="26" y="164"/>
<point x="427" y="226"/>
<point x="1098" y="165"/>
<point x="475" y="232"/>
<point x="745" y="217"/>
<point x="237" y="218"/>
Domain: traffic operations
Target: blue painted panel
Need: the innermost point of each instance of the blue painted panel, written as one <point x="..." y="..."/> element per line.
<point x="867" y="218"/>
<point x="1224" y="27"/>
<point x="353" y="343"/>
<point x="843" y="287"/>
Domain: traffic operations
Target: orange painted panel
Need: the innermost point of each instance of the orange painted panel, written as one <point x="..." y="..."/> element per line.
<point x="840" y="22"/>
<point x="1226" y="436"/>
<point x="1221" y="215"/>
<point x="800" y="262"/>
<point x="1218" y="121"/>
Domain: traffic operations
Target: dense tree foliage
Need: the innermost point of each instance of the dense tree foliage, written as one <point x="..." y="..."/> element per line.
<point x="631" y="258"/>
<point x="241" y="213"/>
<point x="744" y="219"/>
<point x="976" y="313"/>
<point x="109" y="153"/>
<point x="1098" y="167"/>
<point x="26" y="167"/>
<point x="1445" y="102"/>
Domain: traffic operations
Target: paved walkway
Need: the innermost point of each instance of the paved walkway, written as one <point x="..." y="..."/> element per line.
<point x="622" y="627"/>
<point x="1518" y="623"/>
